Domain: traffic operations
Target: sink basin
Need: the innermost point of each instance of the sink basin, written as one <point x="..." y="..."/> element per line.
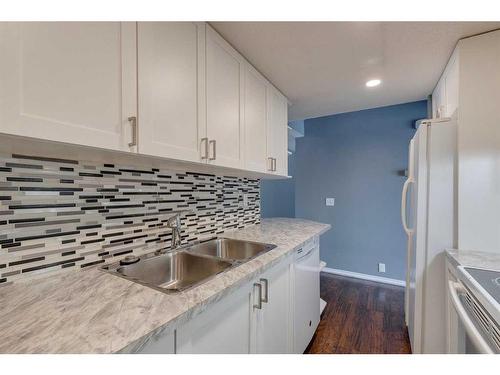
<point x="229" y="249"/>
<point x="170" y="272"/>
<point x="186" y="267"/>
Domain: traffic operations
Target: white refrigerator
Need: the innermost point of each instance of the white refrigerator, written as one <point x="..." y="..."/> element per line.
<point x="428" y="214"/>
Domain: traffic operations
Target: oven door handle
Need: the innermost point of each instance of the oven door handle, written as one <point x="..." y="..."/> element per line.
<point x="463" y="316"/>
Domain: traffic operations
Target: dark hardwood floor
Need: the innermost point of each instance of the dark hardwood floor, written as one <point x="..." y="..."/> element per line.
<point x="360" y="317"/>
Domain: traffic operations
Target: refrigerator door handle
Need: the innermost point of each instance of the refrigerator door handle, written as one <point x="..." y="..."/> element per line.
<point x="403" y="206"/>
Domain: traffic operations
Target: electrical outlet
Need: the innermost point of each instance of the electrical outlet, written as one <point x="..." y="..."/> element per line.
<point x="330" y="201"/>
<point x="381" y="267"/>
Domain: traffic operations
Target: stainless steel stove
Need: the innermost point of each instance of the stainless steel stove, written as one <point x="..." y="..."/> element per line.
<point x="476" y="300"/>
<point x="489" y="280"/>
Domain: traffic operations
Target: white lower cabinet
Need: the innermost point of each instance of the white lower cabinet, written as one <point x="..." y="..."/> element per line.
<point x="223" y="328"/>
<point x="163" y="343"/>
<point x="273" y="328"/>
<point x="254" y="319"/>
<point x="275" y="313"/>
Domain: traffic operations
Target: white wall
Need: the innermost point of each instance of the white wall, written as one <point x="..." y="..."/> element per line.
<point x="479" y="144"/>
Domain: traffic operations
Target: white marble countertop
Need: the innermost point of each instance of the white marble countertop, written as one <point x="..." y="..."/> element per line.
<point x="94" y="312"/>
<point x="477" y="259"/>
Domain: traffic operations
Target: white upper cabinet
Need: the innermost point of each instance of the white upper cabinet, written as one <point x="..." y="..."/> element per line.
<point x="277" y="135"/>
<point x="451" y="81"/>
<point x="71" y="82"/>
<point x="439" y="100"/>
<point x="255" y="112"/>
<point x="224" y="96"/>
<point x="174" y="90"/>
<point x="445" y="94"/>
<point x="171" y="86"/>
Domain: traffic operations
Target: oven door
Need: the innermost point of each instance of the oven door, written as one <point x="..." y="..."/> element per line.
<point x="465" y="335"/>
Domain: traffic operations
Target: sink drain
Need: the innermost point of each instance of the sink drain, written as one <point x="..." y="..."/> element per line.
<point x="129" y="259"/>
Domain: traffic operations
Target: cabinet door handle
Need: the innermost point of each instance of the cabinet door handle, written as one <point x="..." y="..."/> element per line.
<point x="270" y="169"/>
<point x="213" y="142"/>
<point x="204" y="141"/>
<point x="274" y="164"/>
<point x="266" y="283"/>
<point x="133" y="123"/>
<point x="258" y="305"/>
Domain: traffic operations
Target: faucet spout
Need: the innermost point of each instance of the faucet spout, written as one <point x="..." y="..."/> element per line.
<point x="174" y="223"/>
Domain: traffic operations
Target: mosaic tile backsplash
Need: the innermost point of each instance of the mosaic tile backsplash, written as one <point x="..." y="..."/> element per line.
<point x="61" y="215"/>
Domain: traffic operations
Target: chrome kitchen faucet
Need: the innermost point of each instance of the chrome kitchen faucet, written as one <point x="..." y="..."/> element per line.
<point x="174" y="223"/>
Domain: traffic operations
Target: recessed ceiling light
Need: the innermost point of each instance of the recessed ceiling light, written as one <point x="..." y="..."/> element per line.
<point x="373" y="82"/>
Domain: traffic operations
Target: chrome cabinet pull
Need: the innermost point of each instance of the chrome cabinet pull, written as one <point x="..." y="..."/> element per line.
<point x="205" y="150"/>
<point x="258" y="305"/>
<point x="213" y="142"/>
<point x="270" y="169"/>
<point x="133" y="122"/>
<point x="266" y="283"/>
<point x="273" y="165"/>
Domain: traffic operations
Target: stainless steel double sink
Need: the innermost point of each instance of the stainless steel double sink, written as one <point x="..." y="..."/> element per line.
<point x="186" y="267"/>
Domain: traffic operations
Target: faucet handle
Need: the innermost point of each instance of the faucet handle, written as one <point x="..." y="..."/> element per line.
<point x="174" y="221"/>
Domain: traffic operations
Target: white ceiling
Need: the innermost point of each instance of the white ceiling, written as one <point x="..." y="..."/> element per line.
<point x="322" y="67"/>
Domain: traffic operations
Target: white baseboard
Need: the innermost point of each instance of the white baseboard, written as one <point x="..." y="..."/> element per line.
<point x="364" y="276"/>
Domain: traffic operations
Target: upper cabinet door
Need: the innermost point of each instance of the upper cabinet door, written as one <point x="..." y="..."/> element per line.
<point x="439" y="99"/>
<point x="171" y="79"/>
<point x="277" y="132"/>
<point x="224" y="95"/>
<point x="71" y="82"/>
<point x="451" y="81"/>
<point x="255" y="112"/>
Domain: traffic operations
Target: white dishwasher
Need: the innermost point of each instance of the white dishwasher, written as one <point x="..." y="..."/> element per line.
<point x="306" y="296"/>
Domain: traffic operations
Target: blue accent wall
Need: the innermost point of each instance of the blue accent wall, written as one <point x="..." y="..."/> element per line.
<point x="355" y="158"/>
